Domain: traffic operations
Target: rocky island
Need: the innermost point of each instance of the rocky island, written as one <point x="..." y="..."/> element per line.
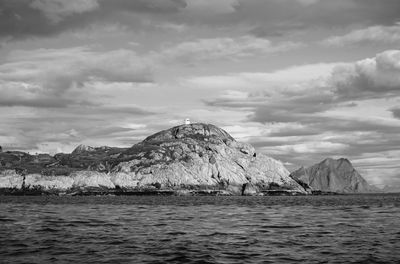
<point x="183" y="160"/>
<point x="332" y="176"/>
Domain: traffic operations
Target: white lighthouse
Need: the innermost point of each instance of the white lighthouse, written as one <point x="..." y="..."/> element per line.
<point x="187" y="121"/>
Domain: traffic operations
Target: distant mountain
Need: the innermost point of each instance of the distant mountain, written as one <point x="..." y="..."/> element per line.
<point x="81" y="149"/>
<point x="332" y="175"/>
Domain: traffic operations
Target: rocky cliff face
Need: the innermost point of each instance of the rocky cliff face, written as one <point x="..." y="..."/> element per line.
<point x="184" y="158"/>
<point x="332" y="176"/>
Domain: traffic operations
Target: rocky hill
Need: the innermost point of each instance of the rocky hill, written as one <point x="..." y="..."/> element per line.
<point x="332" y="175"/>
<point x="195" y="158"/>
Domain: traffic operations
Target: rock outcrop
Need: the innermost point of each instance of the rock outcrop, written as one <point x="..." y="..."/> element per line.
<point x="83" y="148"/>
<point x="331" y="175"/>
<point x="187" y="158"/>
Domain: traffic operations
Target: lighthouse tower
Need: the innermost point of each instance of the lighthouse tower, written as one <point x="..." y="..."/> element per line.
<point x="187" y="121"/>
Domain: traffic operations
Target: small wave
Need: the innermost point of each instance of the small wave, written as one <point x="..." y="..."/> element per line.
<point x="6" y="220"/>
<point x="213" y="234"/>
<point x="176" y="233"/>
<point x="221" y="230"/>
<point x="47" y="229"/>
<point x="281" y="226"/>
<point x="346" y="224"/>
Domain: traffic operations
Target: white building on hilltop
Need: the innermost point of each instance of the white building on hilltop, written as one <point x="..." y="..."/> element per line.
<point x="187" y="121"/>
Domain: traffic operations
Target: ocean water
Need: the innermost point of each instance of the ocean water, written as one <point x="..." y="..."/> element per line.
<point x="202" y="229"/>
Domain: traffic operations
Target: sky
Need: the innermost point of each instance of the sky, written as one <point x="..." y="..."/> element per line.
<point x="300" y="80"/>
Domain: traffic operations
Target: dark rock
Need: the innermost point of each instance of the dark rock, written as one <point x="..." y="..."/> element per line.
<point x="212" y="160"/>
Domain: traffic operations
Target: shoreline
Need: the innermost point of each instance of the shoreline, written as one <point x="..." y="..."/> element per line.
<point x="166" y="192"/>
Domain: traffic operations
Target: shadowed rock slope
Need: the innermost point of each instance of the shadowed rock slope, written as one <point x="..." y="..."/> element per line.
<point x="187" y="158"/>
<point x="332" y="176"/>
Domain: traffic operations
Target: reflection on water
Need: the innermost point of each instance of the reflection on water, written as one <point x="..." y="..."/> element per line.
<point x="315" y="229"/>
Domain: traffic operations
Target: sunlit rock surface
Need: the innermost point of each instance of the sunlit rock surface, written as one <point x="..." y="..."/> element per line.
<point x="332" y="175"/>
<point x="10" y="179"/>
<point x="188" y="157"/>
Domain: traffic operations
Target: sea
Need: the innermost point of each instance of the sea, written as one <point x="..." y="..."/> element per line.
<point x="200" y="229"/>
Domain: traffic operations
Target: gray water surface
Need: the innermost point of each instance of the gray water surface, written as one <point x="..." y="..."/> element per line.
<point x="203" y="229"/>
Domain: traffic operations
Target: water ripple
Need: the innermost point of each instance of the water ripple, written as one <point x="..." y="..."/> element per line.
<point x="328" y="229"/>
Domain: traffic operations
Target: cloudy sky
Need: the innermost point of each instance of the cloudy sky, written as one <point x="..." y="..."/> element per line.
<point x="301" y="80"/>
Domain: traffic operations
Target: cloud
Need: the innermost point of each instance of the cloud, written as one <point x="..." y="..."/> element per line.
<point x="373" y="34"/>
<point x="57" y="10"/>
<point x="212" y="7"/>
<point x="46" y="129"/>
<point x="218" y="48"/>
<point x="112" y="110"/>
<point x="306" y="100"/>
<point x="396" y="112"/>
<point x="368" y="78"/>
<point x="40" y="18"/>
<point x="174" y="27"/>
<point x="47" y="93"/>
<point x="305" y="118"/>
<point x="308" y="2"/>
<point x="58" y="78"/>
<point x="283" y="29"/>
<point x="312" y="147"/>
<point x="55" y="77"/>
<point x="379" y="168"/>
<point x="280" y="80"/>
<point x="144" y="6"/>
<point x="288" y="17"/>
